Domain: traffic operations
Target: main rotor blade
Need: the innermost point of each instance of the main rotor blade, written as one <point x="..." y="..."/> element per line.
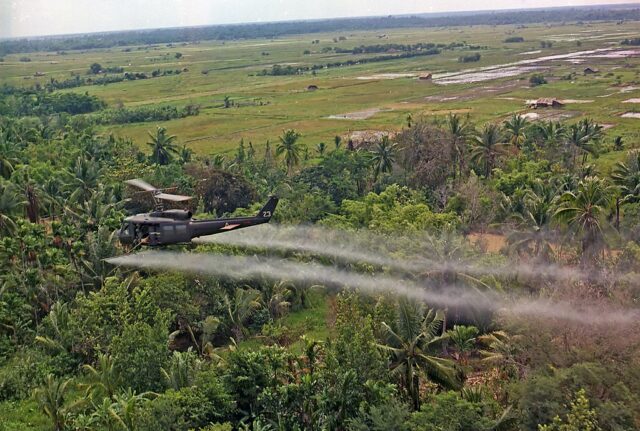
<point x="141" y="184"/>
<point x="173" y="198"/>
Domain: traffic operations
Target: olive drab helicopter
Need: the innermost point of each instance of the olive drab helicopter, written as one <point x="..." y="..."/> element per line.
<point x="177" y="226"/>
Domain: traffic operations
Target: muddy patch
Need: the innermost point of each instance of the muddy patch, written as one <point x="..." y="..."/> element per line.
<point x="625" y="53"/>
<point x="530" y="52"/>
<point x="628" y="89"/>
<point x="475" y="93"/>
<point x="565" y="101"/>
<point x="378" y="76"/>
<point x="631" y="115"/>
<point x="551" y="114"/>
<point x="531" y="116"/>
<point x="356" y="115"/>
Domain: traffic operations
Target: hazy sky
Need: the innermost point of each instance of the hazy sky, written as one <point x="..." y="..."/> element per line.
<point x="41" y="17"/>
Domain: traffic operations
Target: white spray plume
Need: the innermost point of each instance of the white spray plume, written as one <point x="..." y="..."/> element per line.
<point x="379" y="250"/>
<point x="243" y="267"/>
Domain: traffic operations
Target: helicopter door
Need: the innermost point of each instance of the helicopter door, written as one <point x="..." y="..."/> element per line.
<point x="155" y="235"/>
<point x="127" y="233"/>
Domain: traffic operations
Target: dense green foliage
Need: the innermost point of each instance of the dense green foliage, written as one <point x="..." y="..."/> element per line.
<point x="85" y="345"/>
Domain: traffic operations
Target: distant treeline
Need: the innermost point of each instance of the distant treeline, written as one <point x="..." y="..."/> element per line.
<point x="78" y="81"/>
<point x="276" y="29"/>
<point x="21" y="102"/>
<point x="16" y="102"/>
<point x="141" y="114"/>
<point x="631" y="42"/>
<point x="387" y="47"/>
<point x="277" y="70"/>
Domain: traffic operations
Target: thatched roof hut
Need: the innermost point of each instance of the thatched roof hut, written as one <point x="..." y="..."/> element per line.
<point x="545" y="102"/>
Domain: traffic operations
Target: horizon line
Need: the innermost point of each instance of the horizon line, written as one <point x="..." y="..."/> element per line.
<point x="400" y="15"/>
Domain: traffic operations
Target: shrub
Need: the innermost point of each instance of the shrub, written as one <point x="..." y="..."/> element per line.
<point x="537" y="79"/>
<point x="140" y="353"/>
<point x="469" y="58"/>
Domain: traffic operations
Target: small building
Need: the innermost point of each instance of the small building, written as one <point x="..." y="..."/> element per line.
<point x="38" y="74"/>
<point x="312" y="87"/>
<point x="545" y="102"/>
<point x="591" y="71"/>
<point x="425" y="77"/>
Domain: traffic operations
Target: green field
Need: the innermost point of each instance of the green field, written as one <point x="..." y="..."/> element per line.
<point x="269" y="104"/>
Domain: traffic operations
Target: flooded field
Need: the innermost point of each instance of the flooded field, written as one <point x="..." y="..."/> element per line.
<point x="357" y="115"/>
<point x="486" y="75"/>
<point x="528" y="65"/>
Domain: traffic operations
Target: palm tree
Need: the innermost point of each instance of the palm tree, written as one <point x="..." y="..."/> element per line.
<point x="218" y="161"/>
<point x="321" y="148"/>
<point x="585" y="211"/>
<point x="276" y="297"/>
<point x="582" y="138"/>
<point x="551" y="134"/>
<point x="337" y="140"/>
<point x="182" y="369"/>
<point x="124" y="408"/>
<point x="463" y="338"/>
<point x="85" y="176"/>
<point x="383" y="157"/>
<point x="162" y="146"/>
<point x="626" y="175"/>
<point x="186" y="154"/>
<point x="534" y="233"/>
<point x="503" y="350"/>
<point x="291" y="149"/>
<point x="268" y="155"/>
<point x="51" y="398"/>
<point x="103" y="378"/>
<point x="515" y="129"/>
<point x="59" y="319"/>
<point x="244" y="303"/>
<point x="8" y="158"/>
<point x="459" y="131"/>
<point x="10" y="204"/>
<point x="410" y="341"/>
<point x="486" y="147"/>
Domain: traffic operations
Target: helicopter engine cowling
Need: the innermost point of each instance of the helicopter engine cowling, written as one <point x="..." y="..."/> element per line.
<point x="173" y="214"/>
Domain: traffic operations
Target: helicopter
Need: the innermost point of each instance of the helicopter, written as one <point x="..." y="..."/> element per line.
<point x="176" y="226"/>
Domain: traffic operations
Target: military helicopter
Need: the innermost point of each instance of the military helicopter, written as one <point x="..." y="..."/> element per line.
<point x="176" y="226"/>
